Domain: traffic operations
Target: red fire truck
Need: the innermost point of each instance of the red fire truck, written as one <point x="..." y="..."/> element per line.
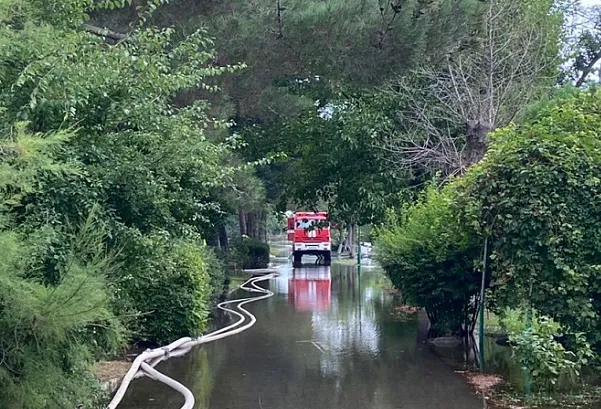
<point x="309" y="233"/>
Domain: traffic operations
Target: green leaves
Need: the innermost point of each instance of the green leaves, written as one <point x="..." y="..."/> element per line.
<point x="119" y="101"/>
<point x="106" y="134"/>
<point x="429" y="257"/>
<point x="49" y="328"/>
<point x="537" y="195"/>
<point x="538" y="350"/>
<point x="168" y="282"/>
<point x="322" y="45"/>
<point x="332" y="160"/>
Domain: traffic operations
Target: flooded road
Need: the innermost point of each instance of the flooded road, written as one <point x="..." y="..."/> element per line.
<point x="329" y="338"/>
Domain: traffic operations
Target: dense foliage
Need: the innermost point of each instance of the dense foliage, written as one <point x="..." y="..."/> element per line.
<point x="540" y="354"/>
<point x="49" y="333"/>
<point x="430" y="258"/>
<point x="116" y="171"/>
<point x="358" y="42"/>
<point x="357" y="150"/>
<point x="108" y="187"/>
<point x="331" y="158"/>
<point x="536" y="195"/>
<point x="146" y="161"/>
<point x="249" y="253"/>
<point x="168" y="280"/>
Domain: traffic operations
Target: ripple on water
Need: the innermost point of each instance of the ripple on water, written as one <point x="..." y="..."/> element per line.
<point x="328" y="339"/>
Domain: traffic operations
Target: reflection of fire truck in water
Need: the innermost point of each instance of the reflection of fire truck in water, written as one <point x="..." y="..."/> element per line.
<point x="309" y="233"/>
<point x="309" y="289"/>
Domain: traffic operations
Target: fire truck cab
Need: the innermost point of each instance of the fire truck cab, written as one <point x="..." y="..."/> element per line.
<point x="309" y="233"/>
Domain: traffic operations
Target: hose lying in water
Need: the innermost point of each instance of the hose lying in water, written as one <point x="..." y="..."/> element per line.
<point x="144" y="364"/>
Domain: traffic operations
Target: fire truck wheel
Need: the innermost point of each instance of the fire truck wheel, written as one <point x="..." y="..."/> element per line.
<point x="298" y="258"/>
<point x="327" y="259"/>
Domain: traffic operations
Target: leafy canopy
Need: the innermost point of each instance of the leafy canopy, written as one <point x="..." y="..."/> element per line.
<point x="536" y="195"/>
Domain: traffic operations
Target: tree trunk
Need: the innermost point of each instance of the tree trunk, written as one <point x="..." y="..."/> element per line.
<point x="223" y="240"/>
<point x="243" y="224"/>
<point x="263" y="226"/>
<point x="251" y="226"/>
<point x="347" y="239"/>
<point x="352" y="239"/>
<point x="341" y="241"/>
<point x="586" y="71"/>
<point x="477" y="141"/>
<point x="254" y="225"/>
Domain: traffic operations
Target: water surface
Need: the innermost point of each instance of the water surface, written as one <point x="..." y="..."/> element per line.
<point x="329" y="338"/>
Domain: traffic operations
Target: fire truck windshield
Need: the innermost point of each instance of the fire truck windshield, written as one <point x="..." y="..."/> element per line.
<point x="305" y="224"/>
<point x="312" y="224"/>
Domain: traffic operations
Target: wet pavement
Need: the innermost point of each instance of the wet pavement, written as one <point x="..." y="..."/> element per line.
<point x="329" y="338"/>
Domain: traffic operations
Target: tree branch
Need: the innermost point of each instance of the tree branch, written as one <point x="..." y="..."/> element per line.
<point x="588" y="69"/>
<point x="6" y="151"/>
<point x="104" y="32"/>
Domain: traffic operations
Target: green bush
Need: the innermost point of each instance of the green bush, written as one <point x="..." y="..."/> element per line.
<point x="167" y="284"/>
<point x="138" y="156"/>
<point x="217" y="273"/>
<point x="536" y="195"/>
<point x="49" y="335"/>
<point x="430" y="259"/>
<point x="258" y="254"/>
<point x="52" y="326"/>
<point x="250" y="253"/>
<point x="541" y="355"/>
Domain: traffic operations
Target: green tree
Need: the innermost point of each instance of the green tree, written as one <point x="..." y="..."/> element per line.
<point x="331" y="159"/>
<point x="584" y="46"/>
<point x="446" y="112"/>
<point x="430" y="258"/>
<point x="363" y="42"/>
<point x="535" y="195"/>
<point x="49" y="334"/>
<point x="144" y="159"/>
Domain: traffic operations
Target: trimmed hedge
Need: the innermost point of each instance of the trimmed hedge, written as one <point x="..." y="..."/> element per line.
<point x="250" y="253"/>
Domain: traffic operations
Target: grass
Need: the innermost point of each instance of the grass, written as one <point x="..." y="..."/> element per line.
<point x="346" y="261"/>
<point x="588" y="396"/>
<point x="237" y="280"/>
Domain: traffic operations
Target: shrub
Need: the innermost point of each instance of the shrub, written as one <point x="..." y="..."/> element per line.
<point x="138" y="153"/>
<point x="51" y="326"/>
<point x="258" y="254"/>
<point x="217" y="273"/>
<point x="430" y="259"/>
<point x="541" y="355"/>
<point x="168" y="285"/>
<point x="250" y="253"/>
<point x="536" y="195"/>
<point x="132" y="149"/>
<point x="50" y="334"/>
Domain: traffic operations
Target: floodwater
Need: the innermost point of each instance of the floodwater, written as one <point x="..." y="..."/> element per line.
<point x="329" y="338"/>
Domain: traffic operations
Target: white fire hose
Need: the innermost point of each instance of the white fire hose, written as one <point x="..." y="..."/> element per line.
<point x="144" y="364"/>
